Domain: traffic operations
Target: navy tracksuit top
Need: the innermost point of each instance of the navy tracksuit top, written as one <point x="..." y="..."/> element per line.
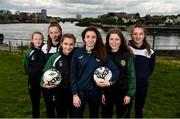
<point x="82" y="68"/>
<point x="144" y="64"/>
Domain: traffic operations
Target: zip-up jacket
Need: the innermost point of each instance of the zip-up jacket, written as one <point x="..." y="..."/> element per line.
<point x="127" y="80"/>
<point x="53" y="49"/>
<point x="33" y="62"/>
<point x="144" y="64"/>
<point x="82" y="68"/>
<point x="61" y="62"/>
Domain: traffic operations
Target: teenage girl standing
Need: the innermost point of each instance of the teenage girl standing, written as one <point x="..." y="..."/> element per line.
<point x="62" y="62"/>
<point x="52" y="46"/>
<point x="33" y="65"/>
<point x="121" y="92"/>
<point x="84" y="62"/>
<point x="144" y="65"/>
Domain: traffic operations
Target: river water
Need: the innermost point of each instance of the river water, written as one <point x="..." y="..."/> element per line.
<point x="23" y="31"/>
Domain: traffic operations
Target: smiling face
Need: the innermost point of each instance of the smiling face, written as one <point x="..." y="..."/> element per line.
<point x="90" y="39"/>
<point x="138" y="36"/>
<point x="67" y="45"/>
<point x="37" y="40"/>
<point x="114" y="42"/>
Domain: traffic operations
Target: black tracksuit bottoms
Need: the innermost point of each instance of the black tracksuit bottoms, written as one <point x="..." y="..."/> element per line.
<point x="35" y="94"/>
<point x="58" y="102"/>
<point x="93" y="98"/>
<point x="117" y="99"/>
<point x="140" y="97"/>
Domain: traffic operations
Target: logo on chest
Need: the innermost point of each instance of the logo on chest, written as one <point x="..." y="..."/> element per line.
<point x="32" y="58"/>
<point x="122" y="62"/>
<point x="60" y="63"/>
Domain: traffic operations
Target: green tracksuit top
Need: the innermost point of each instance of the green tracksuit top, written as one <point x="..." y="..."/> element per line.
<point x="127" y="79"/>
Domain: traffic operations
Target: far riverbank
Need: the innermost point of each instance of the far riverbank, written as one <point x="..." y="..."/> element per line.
<point x="152" y="29"/>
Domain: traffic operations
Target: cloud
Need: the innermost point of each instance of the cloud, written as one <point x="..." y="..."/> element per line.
<point x="83" y="2"/>
<point x="93" y="8"/>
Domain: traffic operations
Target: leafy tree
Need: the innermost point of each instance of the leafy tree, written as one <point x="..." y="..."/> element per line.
<point x="137" y="16"/>
<point x="12" y="17"/>
<point x="85" y="22"/>
<point x="120" y="21"/>
<point x="109" y="21"/>
<point x="2" y="18"/>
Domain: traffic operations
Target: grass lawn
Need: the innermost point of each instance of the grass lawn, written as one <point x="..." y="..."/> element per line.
<point x="164" y="89"/>
<point x="14" y="99"/>
<point x="162" y="100"/>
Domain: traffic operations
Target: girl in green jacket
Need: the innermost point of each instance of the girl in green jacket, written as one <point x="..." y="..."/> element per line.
<point x="121" y="92"/>
<point x="33" y="65"/>
<point x="59" y="98"/>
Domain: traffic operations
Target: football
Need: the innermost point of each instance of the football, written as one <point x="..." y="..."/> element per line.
<point x="102" y="73"/>
<point x="52" y="76"/>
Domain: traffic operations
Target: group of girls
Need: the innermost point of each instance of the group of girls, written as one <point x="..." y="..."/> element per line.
<point x="131" y="65"/>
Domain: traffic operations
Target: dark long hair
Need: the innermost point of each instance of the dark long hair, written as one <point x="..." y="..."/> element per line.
<point x="36" y="32"/>
<point x="99" y="50"/>
<point x="49" y="41"/>
<point x="124" y="45"/>
<point x="141" y="25"/>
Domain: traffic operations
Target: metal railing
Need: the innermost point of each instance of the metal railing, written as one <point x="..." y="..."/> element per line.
<point x="167" y="47"/>
<point x="19" y="45"/>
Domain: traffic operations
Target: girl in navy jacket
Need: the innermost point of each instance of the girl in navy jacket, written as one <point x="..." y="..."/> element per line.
<point x="144" y="65"/>
<point x="84" y="62"/>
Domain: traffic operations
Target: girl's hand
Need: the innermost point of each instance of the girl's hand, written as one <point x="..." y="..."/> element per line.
<point x="76" y="101"/>
<point x="103" y="99"/>
<point x="103" y="83"/>
<point x="46" y="85"/>
<point x="127" y="100"/>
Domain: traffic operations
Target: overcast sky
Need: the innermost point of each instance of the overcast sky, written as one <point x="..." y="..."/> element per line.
<point x="93" y="8"/>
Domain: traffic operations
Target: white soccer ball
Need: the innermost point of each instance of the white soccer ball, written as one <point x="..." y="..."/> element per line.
<point x="102" y="73"/>
<point x="52" y="76"/>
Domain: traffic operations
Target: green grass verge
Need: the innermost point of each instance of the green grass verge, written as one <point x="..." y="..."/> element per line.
<point x="162" y="100"/>
<point x="164" y="89"/>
